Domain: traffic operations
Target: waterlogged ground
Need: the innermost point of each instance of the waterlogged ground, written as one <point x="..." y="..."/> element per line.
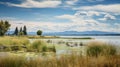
<point x="62" y="48"/>
<point x="75" y="44"/>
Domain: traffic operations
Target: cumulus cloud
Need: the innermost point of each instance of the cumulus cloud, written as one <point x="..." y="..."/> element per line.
<point x="71" y="2"/>
<point x="82" y="21"/>
<point x="35" y="4"/>
<point x="65" y="16"/>
<point x="88" y="13"/>
<point x="107" y="8"/>
<point x="58" y="27"/>
<point x="108" y="17"/>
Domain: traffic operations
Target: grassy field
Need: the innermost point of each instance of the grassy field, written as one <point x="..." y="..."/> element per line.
<point x="22" y="43"/>
<point x="19" y="52"/>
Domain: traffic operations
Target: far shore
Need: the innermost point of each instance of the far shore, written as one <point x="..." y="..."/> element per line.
<point x="56" y="37"/>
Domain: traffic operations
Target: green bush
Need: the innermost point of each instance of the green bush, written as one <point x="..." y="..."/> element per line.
<point x="38" y="44"/>
<point x="96" y="48"/>
<point x="44" y="49"/>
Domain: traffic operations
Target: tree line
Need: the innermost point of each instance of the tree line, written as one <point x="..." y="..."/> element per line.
<point x="22" y="31"/>
<point x="5" y="26"/>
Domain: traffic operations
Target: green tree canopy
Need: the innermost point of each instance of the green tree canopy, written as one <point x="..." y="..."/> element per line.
<point x="39" y="32"/>
<point x="4" y="27"/>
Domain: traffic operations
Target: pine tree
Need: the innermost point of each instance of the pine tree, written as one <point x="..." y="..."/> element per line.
<point x="21" y="29"/>
<point x="25" y="30"/>
<point x="16" y="31"/>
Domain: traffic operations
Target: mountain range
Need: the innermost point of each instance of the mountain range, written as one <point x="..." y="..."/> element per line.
<point x="74" y="33"/>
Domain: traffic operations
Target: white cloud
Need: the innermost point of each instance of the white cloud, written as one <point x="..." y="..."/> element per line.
<point x="36" y="4"/>
<point x="115" y="8"/>
<point x="65" y="16"/>
<point x="88" y="13"/>
<point x="87" y="25"/>
<point x="71" y="2"/>
<point x="95" y="0"/>
<point x="82" y="21"/>
<point x="7" y="18"/>
<point x="108" y="17"/>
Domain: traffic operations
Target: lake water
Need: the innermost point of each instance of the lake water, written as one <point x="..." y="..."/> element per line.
<point x="108" y="39"/>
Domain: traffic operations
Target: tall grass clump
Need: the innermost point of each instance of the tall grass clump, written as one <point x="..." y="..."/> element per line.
<point x="41" y="46"/>
<point x="38" y="45"/>
<point x="12" y="61"/>
<point x="100" y="49"/>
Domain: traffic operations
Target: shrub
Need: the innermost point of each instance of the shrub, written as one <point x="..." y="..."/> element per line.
<point x="97" y="48"/>
<point x="38" y="44"/>
<point x="44" y="48"/>
<point x="94" y="50"/>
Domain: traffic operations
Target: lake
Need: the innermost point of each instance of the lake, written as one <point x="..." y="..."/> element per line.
<point x="108" y="39"/>
<point x="64" y="49"/>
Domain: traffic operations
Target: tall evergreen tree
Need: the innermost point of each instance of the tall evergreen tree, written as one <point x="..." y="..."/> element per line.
<point x="21" y="32"/>
<point x="21" y="29"/>
<point x="25" y="30"/>
<point x="16" y="31"/>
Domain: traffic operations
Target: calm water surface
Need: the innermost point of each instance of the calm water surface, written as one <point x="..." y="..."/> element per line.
<point x="108" y="39"/>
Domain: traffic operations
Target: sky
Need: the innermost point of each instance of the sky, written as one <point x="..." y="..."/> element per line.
<point x="62" y="15"/>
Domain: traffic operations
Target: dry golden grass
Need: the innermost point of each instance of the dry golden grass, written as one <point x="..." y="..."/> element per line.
<point x="63" y="61"/>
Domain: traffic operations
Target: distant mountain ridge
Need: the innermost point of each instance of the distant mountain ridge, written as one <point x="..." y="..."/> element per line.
<point x="74" y="33"/>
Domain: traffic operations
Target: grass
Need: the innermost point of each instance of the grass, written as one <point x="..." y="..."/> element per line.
<point x="110" y="59"/>
<point x="72" y="60"/>
<point x="13" y="43"/>
<point x="99" y="54"/>
<point x="7" y="41"/>
<point x="22" y="43"/>
<point x="99" y="48"/>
